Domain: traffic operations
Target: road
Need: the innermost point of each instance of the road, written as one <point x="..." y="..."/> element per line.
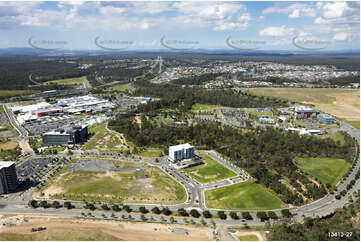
<point x="23" y="133"/>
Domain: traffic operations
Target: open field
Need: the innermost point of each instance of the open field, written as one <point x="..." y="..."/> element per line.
<point x="151" y="185"/>
<point x="8" y="145"/>
<point x="327" y="170"/>
<point x="244" y="196"/>
<point x="13" y="93"/>
<point x="120" y="87"/>
<point x="210" y="171"/>
<point x="151" y="152"/>
<point x="342" y="103"/>
<point x="104" y="140"/>
<point x="203" y="107"/>
<point x="74" y="82"/>
<point x="72" y="229"/>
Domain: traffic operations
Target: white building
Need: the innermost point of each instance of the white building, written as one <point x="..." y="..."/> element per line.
<point x="180" y="152"/>
<point x="266" y="120"/>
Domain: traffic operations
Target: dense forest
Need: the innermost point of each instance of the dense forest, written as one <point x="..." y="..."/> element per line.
<point x="184" y="98"/>
<point x="345" y="220"/>
<point x="15" y="71"/>
<point x="267" y="154"/>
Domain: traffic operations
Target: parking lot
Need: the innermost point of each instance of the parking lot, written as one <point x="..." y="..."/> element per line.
<point x="33" y="166"/>
<point x="49" y="123"/>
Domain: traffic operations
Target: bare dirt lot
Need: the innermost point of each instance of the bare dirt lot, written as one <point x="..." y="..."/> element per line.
<point x="66" y="228"/>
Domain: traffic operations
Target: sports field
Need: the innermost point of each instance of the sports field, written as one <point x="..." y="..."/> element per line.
<point x="74" y="82"/>
<point x="342" y="103"/>
<point x="209" y="172"/>
<point x="150" y="185"/>
<point x="243" y="196"/>
<point x="327" y="170"/>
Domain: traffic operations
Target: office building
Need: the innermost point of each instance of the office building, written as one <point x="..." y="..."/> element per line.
<point x="8" y="177"/>
<point x="70" y="135"/>
<point x="180" y="152"/>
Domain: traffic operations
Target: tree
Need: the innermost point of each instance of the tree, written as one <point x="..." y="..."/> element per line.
<point x="262" y="215"/>
<point x="203" y="222"/>
<point x="221" y="215"/>
<point x="68" y="205"/>
<point x="272" y="215"/>
<point x="105" y="207"/>
<point x="247" y="215"/>
<point x="143" y="210"/>
<point x="286" y="213"/>
<point x="207" y="214"/>
<point x="127" y="208"/>
<point x="156" y="210"/>
<point x="142" y="217"/>
<point x="233" y="215"/>
<point x="194" y="213"/>
<point x="171" y="219"/>
<point x="116" y="208"/>
<point x="56" y="204"/>
<point x="166" y="211"/>
<point x="33" y="203"/>
<point x="183" y="212"/>
<point x="44" y="204"/>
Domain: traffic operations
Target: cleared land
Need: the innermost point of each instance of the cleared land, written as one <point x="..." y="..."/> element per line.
<point x="8" y="145"/>
<point x="243" y="196"/>
<point x="74" y="82"/>
<point x="150" y="185"/>
<point x="66" y="228"/>
<point x="327" y="170"/>
<point x="104" y="140"/>
<point x="210" y="171"/>
<point x="344" y="104"/>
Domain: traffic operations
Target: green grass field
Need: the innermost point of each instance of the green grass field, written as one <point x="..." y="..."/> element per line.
<point x="12" y="93"/>
<point x="121" y="87"/>
<point x="210" y="171"/>
<point x="243" y="196"/>
<point x="117" y="186"/>
<point x="151" y="152"/>
<point x="327" y="170"/>
<point x="74" y="82"/>
<point x="250" y="237"/>
<point x="202" y="107"/>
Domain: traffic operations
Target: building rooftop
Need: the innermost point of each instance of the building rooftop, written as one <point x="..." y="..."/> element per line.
<point x="4" y="164"/>
<point x="181" y="146"/>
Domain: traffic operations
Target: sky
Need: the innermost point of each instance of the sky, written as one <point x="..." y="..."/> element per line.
<point x="160" y="25"/>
